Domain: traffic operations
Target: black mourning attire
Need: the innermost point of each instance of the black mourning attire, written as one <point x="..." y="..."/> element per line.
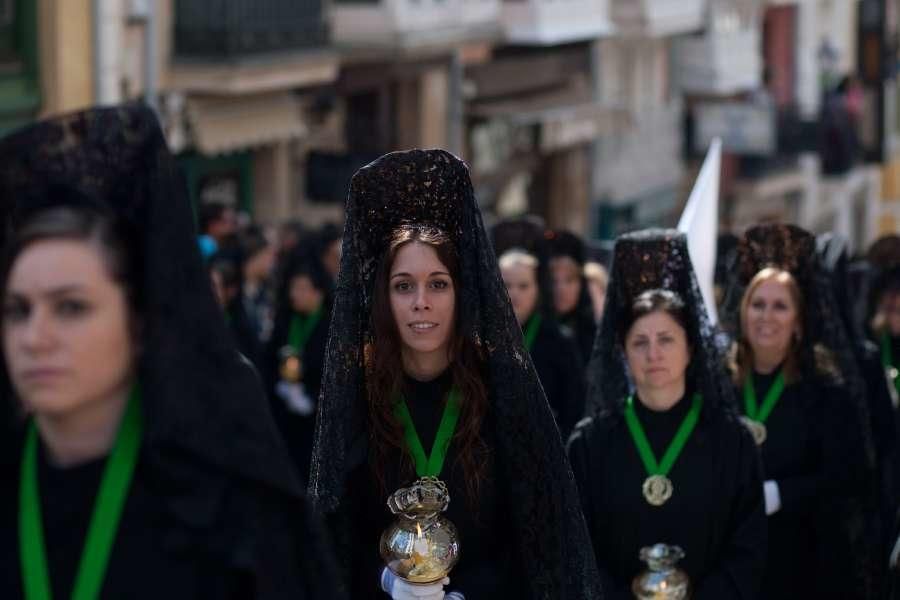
<point x="488" y="568"/>
<point x="241" y="323"/>
<point x="819" y="448"/>
<point x="580" y="320"/>
<point x="244" y="332"/>
<point x="716" y="513"/>
<point x="541" y="546"/>
<point x="298" y="426"/>
<point x="834" y="258"/>
<point x="555" y="353"/>
<point x="213" y="510"/>
<point x="558" y="364"/>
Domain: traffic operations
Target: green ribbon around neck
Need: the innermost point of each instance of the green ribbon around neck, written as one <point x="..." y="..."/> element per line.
<point x="887" y="358"/>
<point x="752" y="408"/>
<point x="532" y="326"/>
<point x="432" y="464"/>
<point x="675" y="447"/>
<point x="302" y="327"/>
<point x="117" y="476"/>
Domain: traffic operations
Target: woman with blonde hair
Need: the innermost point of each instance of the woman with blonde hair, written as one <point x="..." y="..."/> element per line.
<point x="797" y="385"/>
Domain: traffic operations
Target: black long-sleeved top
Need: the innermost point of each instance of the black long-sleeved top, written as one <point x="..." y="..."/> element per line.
<point x="716" y="512"/>
<point x="558" y="364"/>
<point x="885" y="421"/>
<point x="298" y="430"/>
<point x="813" y="451"/>
<point x="581" y="326"/>
<point x="488" y="562"/>
<point x="192" y="534"/>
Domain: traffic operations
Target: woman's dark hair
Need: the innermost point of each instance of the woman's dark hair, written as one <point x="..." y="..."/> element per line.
<point x="251" y="242"/>
<point x="88" y="222"/>
<point x="384" y="368"/>
<point x="651" y="301"/>
<point x="311" y="268"/>
<point x="227" y="270"/>
<point x="208" y="213"/>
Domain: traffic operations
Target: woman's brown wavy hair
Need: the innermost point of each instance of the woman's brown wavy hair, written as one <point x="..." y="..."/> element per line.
<point x="384" y="370"/>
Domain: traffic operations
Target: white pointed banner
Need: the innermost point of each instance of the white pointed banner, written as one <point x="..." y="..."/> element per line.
<point x="700" y="222"/>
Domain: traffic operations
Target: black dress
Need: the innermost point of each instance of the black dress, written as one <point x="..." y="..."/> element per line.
<point x="198" y="533"/>
<point x="886" y="426"/>
<point x="558" y="364"/>
<point x="298" y="430"/>
<point x="716" y="513"/>
<point x="579" y="324"/>
<point x="813" y="452"/>
<point x="243" y="333"/>
<point x="488" y="562"/>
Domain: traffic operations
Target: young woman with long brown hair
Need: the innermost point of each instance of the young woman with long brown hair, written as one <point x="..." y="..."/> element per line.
<point x="423" y="333"/>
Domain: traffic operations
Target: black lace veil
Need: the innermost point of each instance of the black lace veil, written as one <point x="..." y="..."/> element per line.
<point x="432" y="187"/>
<point x="201" y="397"/>
<point x="645" y="260"/>
<point x="827" y="350"/>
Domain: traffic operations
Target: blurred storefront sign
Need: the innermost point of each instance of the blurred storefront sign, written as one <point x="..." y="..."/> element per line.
<point x="747" y="128"/>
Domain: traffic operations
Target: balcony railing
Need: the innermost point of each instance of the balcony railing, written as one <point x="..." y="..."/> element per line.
<point x="657" y="18"/>
<point x="225" y="30"/>
<point x="411" y="23"/>
<point x="543" y="22"/>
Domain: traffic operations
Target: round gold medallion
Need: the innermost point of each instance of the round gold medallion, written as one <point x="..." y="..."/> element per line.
<point x="657" y="489"/>
<point x="757" y="430"/>
<point x="291" y="367"/>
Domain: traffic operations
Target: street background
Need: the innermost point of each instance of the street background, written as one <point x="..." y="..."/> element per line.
<point x="592" y="114"/>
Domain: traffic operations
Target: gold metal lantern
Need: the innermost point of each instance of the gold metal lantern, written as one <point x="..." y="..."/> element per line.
<point x="421" y="546"/>
<point x="662" y="580"/>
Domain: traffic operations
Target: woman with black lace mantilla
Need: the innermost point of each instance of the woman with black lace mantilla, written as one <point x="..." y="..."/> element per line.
<point x="138" y="458"/>
<point x="663" y="459"/>
<point x="426" y="376"/>
<point x="797" y="387"/>
<point x="566" y="255"/>
<point x="519" y="244"/>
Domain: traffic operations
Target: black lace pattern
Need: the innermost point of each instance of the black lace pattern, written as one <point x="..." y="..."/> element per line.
<point x="827" y="354"/>
<point x="646" y="260"/>
<point x="432" y="187"/>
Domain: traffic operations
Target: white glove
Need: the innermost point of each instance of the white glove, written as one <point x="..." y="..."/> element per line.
<point x="403" y="590"/>
<point x="296" y="398"/>
<point x="773" y="497"/>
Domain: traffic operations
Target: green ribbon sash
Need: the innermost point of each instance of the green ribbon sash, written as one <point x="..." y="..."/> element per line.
<point x="675" y="447"/>
<point x="431" y="465"/>
<point x="531" y="330"/>
<point x="887" y="359"/>
<point x="117" y="476"/>
<point x="301" y="328"/>
<point x="751" y="407"/>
